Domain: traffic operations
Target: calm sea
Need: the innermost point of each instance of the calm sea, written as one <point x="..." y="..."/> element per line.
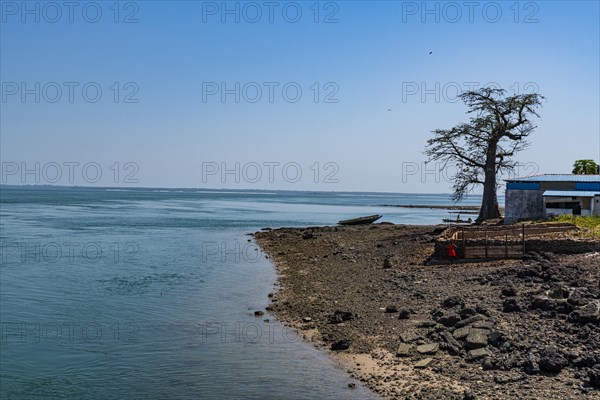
<point x="150" y="294"/>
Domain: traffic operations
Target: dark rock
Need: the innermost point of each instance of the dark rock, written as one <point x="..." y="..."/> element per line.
<point x="391" y="309"/>
<point x="531" y="366"/>
<point x="559" y="292"/>
<point x="461" y="333"/>
<point x="453" y="344"/>
<point x="468" y="395"/>
<point x="408" y="337"/>
<point x="467" y="312"/>
<point x="341" y="316"/>
<point x="340" y="345"/>
<point x="352" y="385"/>
<point x="469" y="321"/>
<point x="544" y="304"/>
<point x="449" y="320"/>
<point x="510" y="305"/>
<point x="453" y="301"/>
<point x="577" y="299"/>
<point x="509" y="291"/>
<point x="258" y="313"/>
<point x="594" y="376"/>
<point x="552" y="360"/>
<point x="496" y="338"/>
<point x="482" y="310"/>
<point x="476" y="354"/>
<point x="307" y="235"/>
<point x="476" y="339"/>
<point x="437" y="314"/>
<point x="487" y="364"/>
<point x="405" y="313"/>
<point x="585" y="314"/>
<point x="584" y="361"/>
<point x="387" y="263"/>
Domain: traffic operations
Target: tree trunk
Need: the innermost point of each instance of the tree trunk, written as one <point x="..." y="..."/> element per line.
<point x="489" y="204"/>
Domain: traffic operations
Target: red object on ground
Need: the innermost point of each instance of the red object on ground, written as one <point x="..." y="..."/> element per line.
<point x="451" y="250"/>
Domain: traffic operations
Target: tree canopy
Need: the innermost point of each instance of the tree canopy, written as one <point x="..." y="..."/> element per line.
<point x="585" y="167"/>
<point x="484" y="147"/>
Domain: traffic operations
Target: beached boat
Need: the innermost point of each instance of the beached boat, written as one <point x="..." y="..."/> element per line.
<point x="457" y="220"/>
<point x="361" y="220"/>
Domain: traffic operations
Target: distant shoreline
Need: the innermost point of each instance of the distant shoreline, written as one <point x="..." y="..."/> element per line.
<point x="434" y="207"/>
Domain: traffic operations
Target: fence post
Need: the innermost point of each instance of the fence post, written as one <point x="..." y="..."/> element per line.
<point x="463" y="242"/>
<point x="486" y="242"/>
<point x="523" y="239"/>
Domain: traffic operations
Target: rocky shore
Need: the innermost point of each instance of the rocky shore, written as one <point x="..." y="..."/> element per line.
<point x="508" y="329"/>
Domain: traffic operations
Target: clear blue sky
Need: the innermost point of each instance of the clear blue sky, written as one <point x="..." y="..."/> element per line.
<point x="375" y="58"/>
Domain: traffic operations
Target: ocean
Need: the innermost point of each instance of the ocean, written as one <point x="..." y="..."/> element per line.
<point x="150" y="293"/>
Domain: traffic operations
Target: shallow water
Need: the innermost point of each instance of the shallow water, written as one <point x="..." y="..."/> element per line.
<point x="150" y="294"/>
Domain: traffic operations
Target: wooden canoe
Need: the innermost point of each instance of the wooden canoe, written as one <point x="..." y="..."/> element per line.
<point x="361" y="220"/>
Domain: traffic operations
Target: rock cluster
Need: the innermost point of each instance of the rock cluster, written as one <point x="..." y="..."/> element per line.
<point x="503" y="329"/>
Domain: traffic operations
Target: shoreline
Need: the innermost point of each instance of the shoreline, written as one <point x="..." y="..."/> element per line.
<point x="327" y="269"/>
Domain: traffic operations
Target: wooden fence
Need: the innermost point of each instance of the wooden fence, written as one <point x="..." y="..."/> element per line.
<point x="511" y="241"/>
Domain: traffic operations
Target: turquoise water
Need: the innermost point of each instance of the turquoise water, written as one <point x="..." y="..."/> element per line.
<point x="150" y="294"/>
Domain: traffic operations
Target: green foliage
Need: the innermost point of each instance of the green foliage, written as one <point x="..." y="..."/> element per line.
<point x="590" y="226"/>
<point x="585" y="167"/>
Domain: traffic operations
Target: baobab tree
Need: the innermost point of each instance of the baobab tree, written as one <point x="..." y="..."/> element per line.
<point x="484" y="147"/>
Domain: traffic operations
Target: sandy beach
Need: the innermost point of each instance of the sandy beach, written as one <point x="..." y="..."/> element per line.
<point x="526" y="329"/>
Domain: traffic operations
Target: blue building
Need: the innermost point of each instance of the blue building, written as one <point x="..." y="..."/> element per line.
<point x="542" y="196"/>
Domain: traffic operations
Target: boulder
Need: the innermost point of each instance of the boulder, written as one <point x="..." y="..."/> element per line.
<point x="510" y="305"/>
<point x="341" y="316"/>
<point x="408" y="337"/>
<point x="477" y="338"/>
<point x="467" y="312"/>
<point x="479" y="353"/>
<point x="461" y="333"/>
<point x="340" y="345"/>
<point x="453" y="301"/>
<point x="559" y="292"/>
<point x="594" y="377"/>
<point x="449" y="320"/>
<point x="307" y="235"/>
<point x="403" y="350"/>
<point x="428" y="348"/>
<point x="391" y="309"/>
<point x="588" y="313"/>
<point x="405" y="313"/>
<point x="552" y="360"/>
<point x="424" y="363"/>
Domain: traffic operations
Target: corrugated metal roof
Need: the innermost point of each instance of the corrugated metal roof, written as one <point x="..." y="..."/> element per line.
<point x="570" y="193"/>
<point x="557" y="178"/>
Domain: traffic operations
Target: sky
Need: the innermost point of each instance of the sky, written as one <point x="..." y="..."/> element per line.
<point x="327" y="96"/>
